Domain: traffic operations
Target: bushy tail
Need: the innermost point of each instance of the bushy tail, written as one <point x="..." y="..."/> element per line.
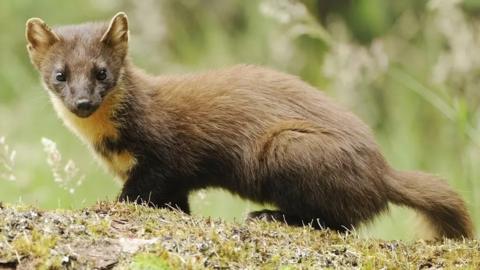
<point x="443" y="208"/>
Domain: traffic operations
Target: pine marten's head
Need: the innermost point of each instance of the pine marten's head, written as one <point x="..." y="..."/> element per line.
<point x="79" y="64"/>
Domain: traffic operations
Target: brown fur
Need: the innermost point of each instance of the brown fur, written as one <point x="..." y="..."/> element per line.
<point x="261" y="134"/>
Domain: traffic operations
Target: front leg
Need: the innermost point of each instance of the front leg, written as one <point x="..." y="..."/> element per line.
<point x="154" y="192"/>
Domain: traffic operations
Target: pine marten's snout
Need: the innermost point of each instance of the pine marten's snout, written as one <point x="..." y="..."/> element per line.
<point x="82" y="100"/>
<point x="85" y="107"/>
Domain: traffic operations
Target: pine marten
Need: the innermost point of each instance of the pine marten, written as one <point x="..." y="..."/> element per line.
<point x="258" y="133"/>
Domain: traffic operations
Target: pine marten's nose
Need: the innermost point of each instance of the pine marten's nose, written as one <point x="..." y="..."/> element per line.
<point x="84" y="104"/>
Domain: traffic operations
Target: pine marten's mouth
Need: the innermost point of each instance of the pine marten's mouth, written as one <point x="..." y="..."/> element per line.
<point x="85" y="112"/>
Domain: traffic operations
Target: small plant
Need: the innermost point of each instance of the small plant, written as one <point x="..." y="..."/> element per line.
<point x="67" y="175"/>
<point x="7" y="161"/>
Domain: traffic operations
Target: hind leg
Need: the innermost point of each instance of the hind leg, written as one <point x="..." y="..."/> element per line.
<point x="311" y="173"/>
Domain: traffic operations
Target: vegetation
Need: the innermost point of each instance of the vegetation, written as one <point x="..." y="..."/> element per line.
<point x="408" y="68"/>
<point x="121" y="236"/>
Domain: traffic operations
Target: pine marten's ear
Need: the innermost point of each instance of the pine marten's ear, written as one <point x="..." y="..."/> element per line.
<point x="40" y="38"/>
<point x="116" y="35"/>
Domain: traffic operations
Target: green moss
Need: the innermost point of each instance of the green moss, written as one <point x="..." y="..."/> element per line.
<point x="99" y="228"/>
<point x="145" y="261"/>
<point x="34" y="244"/>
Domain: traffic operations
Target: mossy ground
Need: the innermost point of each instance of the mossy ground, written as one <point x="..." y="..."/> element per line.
<point x="122" y="236"/>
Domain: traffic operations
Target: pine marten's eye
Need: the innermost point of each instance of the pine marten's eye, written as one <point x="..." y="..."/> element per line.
<point x="101" y="74"/>
<point x="60" y="76"/>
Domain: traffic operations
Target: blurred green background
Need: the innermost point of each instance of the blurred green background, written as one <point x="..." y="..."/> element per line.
<point x="409" y="68"/>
